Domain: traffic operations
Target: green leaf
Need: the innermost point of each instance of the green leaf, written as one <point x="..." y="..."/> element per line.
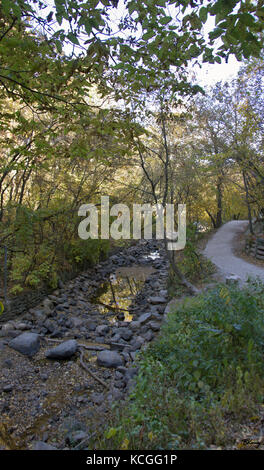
<point x="148" y="35"/>
<point x="247" y="19"/>
<point x="216" y="33"/>
<point x="203" y="14"/>
<point x="194" y="50"/>
<point x="165" y="20"/>
<point x="73" y="38"/>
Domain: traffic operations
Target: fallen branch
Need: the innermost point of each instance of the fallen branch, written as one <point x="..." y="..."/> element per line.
<point x="90" y="372"/>
<point x="90" y="347"/>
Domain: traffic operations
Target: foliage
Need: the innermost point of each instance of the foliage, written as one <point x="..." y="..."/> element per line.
<point x="205" y="367"/>
<point x="44" y="244"/>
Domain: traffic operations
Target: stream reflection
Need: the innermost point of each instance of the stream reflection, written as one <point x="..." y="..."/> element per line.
<point x="117" y="294"/>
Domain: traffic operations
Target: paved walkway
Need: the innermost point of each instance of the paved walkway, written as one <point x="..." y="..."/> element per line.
<point x="219" y="251"/>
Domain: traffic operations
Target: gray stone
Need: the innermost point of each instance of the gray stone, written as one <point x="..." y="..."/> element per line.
<point x="157" y="300"/>
<point x="47" y="305"/>
<point x="145" y="318"/>
<point x="136" y="343"/>
<point x="135" y="325"/>
<point x="50" y="325"/>
<point x="22" y="326"/>
<point x="102" y="330"/>
<point x="76" y="322"/>
<point x="108" y="358"/>
<point x="97" y="398"/>
<point x="7" y="327"/>
<point x="149" y="335"/>
<point x="63" y="351"/>
<point x="232" y="279"/>
<point x="125" y="333"/>
<point x="26" y="343"/>
<point x="155" y="326"/>
<point x="78" y="437"/>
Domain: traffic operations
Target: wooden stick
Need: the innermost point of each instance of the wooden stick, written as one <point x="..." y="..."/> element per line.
<point x="90" y="372"/>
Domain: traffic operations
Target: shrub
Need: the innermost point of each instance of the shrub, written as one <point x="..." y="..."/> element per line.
<point x="205" y="367"/>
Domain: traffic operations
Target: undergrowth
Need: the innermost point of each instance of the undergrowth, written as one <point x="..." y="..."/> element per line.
<point x="200" y="379"/>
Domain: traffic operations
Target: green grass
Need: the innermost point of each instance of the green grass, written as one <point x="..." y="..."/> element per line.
<point x="200" y="379"/>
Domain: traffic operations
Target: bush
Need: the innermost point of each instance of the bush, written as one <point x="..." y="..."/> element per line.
<point x="205" y="369"/>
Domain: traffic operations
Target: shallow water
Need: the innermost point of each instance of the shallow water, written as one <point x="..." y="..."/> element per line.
<point x="117" y="294"/>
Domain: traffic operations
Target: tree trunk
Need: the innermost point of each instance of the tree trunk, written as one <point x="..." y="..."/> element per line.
<point x="191" y="288"/>
<point x="248" y="203"/>
<point x="219" y="203"/>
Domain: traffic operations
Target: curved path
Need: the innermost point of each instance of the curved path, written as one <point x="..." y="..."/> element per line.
<point x="219" y="251"/>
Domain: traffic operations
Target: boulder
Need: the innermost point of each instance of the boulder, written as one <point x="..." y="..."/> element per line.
<point x="26" y="343"/>
<point x="63" y="351"/>
<point x="108" y="358"/>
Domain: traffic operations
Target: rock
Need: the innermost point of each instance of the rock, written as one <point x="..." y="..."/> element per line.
<point x="26" y="343"/>
<point x="97" y="398"/>
<point x="102" y="330"/>
<point x="164" y="292"/>
<point x="135" y="325"/>
<point x="50" y="325"/>
<point x="157" y="300"/>
<point x="13" y="333"/>
<point x="78" y="437"/>
<point x="155" y="326"/>
<point x="63" y="351"/>
<point x="8" y="364"/>
<point x="145" y="318"/>
<point x="115" y="338"/>
<point x="8" y="388"/>
<point x="91" y="326"/>
<point x="22" y="326"/>
<point x="40" y="445"/>
<point x="149" y="335"/>
<point x="136" y="343"/>
<point x="47" y="305"/>
<point x="131" y="372"/>
<point x="232" y="279"/>
<point x="56" y="334"/>
<point x="76" y="322"/>
<point x="7" y="327"/>
<point x="108" y="358"/>
<point x="125" y="333"/>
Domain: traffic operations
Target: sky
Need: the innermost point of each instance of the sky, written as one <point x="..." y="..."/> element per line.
<point x="206" y="75"/>
<point x="209" y="74"/>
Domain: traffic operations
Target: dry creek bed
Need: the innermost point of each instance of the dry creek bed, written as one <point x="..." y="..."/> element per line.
<point x="100" y="321"/>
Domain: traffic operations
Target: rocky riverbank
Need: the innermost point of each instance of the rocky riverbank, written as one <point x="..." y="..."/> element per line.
<point x="65" y="362"/>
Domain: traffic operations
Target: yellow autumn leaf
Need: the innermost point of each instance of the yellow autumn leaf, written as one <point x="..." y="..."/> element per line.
<point x="111" y="433"/>
<point x="125" y="443"/>
<point x="151" y="436"/>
